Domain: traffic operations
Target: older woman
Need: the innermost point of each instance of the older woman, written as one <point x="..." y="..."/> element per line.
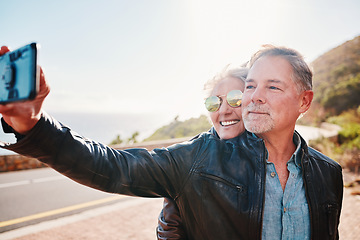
<point x="223" y="102"/>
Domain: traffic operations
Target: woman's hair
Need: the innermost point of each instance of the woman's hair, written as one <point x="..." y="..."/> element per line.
<point x="302" y="75"/>
<point x="228" y="71"/>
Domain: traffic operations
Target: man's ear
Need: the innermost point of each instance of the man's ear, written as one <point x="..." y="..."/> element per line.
<point x="306" y="98"/>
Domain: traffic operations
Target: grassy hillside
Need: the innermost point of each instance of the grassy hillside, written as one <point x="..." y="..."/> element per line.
<point x="179" y="129"/>
<point x="336" y="82"/>
<point x="337" y="64"/>
<point x="336" y="77"/>
<point x="337" y="100"/>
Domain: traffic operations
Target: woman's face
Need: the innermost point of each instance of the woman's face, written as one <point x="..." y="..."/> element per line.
<point x="227" y="120"/>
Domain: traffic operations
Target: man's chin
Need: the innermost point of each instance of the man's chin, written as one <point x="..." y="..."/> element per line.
<point x="258" y="128"/>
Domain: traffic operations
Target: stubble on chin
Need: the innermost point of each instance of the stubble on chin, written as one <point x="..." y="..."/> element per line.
<point x="258" y="124"/>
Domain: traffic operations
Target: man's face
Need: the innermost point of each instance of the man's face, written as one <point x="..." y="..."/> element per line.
<point x="271" y="101"/>
<point x="227" y="120"/>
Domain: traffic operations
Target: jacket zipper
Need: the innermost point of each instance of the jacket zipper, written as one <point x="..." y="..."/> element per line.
<point x="331" y="210"/>
<point x="264" y="189"/>
<point x="307" y="195"/>
<point x="237" y="187"/>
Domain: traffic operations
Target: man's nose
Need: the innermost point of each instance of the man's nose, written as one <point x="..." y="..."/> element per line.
<point x="258" y="96"/>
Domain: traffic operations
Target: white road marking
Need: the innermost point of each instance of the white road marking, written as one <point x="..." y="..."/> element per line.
<point x="30" y="181"/>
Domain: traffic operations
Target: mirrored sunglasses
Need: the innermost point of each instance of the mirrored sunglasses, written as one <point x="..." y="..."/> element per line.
<point x="233" y="98"/>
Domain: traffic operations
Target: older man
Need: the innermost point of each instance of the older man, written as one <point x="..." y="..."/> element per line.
<point x="277" y="92"/>
<point x="263" y="184"/>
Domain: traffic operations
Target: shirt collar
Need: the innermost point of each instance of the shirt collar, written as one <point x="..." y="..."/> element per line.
<point x="296" y="157"/>
<point x="297" y="154"/>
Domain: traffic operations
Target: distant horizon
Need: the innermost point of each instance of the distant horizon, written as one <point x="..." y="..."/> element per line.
<point x="101" y="128"/>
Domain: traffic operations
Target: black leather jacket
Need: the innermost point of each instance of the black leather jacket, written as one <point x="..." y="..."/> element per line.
<point x="218" y="185"/>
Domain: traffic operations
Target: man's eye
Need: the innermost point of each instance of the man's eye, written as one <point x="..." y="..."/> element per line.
<point x="250" y="87"/>
<point x="274" y="88"/>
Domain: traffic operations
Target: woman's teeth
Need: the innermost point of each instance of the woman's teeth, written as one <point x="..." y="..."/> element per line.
<point x="227" y="123"/>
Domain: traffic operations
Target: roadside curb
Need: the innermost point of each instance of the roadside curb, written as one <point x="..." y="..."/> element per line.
<point x="63" y="221"/>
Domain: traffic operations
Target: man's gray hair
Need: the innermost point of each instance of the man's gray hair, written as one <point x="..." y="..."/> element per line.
<point x="302" y="75"/>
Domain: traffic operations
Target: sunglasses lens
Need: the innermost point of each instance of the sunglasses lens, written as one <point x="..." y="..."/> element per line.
<point x="234" y="98"/>
<point x="212" y="103"/>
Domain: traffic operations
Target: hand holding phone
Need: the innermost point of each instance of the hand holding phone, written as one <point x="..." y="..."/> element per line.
<point x="23" y="115"/>
<point x="18" y="74"/>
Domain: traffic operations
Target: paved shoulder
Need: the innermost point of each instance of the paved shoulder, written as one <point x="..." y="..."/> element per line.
<point x="135" y="218"/>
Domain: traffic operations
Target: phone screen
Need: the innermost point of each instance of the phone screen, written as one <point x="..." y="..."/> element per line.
<point x="18" y="74"/>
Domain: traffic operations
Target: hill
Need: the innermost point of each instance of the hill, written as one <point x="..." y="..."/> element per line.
<point x="337" y="77"/>
<point x="336" y="83"/>
<point x="179" y="129"/>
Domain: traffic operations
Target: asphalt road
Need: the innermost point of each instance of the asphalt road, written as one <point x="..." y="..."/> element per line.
<point x="32" y="196"/>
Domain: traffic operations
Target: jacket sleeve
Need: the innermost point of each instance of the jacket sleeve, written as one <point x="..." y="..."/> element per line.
<point x="135" y="172"/>
<point x="170" y="225"/>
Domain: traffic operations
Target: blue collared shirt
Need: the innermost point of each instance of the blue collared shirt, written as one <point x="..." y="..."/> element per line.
<point x="286" y="213"/>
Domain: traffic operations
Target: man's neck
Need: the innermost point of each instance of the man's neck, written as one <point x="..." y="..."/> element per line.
<point x="280" y="149"/>
<point x="280" y="146"/>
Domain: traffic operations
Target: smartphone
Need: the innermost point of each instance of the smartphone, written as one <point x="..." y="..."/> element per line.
<point x="18" y="74"/>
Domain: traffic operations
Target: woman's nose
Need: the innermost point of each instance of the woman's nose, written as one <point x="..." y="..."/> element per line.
<point x="225" y="108"/>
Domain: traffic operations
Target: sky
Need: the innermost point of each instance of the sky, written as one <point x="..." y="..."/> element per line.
<point x="153" y="56"/>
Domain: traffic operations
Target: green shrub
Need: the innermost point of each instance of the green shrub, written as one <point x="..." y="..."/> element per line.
<point x="346" y="149"/>
<point x="350" y="133"/>
<point x="179" y="129"/>
<point x="343" y="96"/>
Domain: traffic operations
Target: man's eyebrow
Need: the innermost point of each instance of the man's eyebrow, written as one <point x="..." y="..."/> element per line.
<point x="249" y="80"/>
<point x="275" y="81"/>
